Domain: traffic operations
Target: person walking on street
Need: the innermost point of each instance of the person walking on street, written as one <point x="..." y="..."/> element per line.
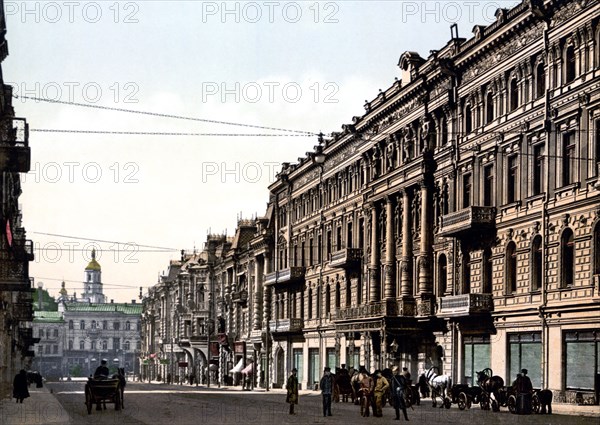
<point x="292" y="390"/>
<point x="381" y="387"/>
<point x="366" y="391"/>
<point x="20" y="384"/>
<point x="399" y="385"/>
<point x="525" y="391"/>
<point x="326" y="384"/>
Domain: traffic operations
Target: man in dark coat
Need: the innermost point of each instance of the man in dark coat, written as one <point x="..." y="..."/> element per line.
<point x="399" y="385"/>
<point x="20" y="384"/>
<point x="326" y="384"/>
<point x="102" y="370"/>
<point x="292" y="390"/>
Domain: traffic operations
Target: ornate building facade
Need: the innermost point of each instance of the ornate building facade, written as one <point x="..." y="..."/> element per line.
<point x="15" y="250"/>
<point x="456" y="224"/>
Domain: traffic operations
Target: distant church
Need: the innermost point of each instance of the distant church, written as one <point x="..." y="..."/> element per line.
<point x="87" y="329"/>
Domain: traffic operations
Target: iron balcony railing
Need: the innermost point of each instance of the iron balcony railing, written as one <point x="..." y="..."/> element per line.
<point x="464" y="305"/>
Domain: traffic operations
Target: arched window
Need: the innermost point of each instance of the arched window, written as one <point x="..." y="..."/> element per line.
<point x="466" y="275"/>
<point x="567" y="247"/>
<point x="93" y="324"/>
<point x="489" y="104"/>
<point x="511" y="268"/>
<point x="540" y="80"/>
<point x="127" y="326"/>
<point x="468" y="119"/>
<point x="82" y="345"/>
<point x="126" y="346"/>
<point x="104" y="345"/>
<point x="442" y="275"/>
<point x="82" y="324"/>
<point x="93" y="345"/>
<point x="536" y="263"/>
<point x="487" y="274"/>
<point x="570" y="64"/>
<point x="514" y="94"/>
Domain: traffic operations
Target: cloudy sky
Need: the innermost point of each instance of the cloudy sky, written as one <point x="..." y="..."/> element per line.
<point x="283" y="69"/>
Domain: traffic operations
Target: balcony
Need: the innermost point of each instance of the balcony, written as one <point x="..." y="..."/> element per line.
<point x="468" y="220"/>
<point x="15" y="154"/>
<point x="346" y="258"/>
<point x="240" y="297"/>
<point x="202" y="307"/>
<point x="465" y="305"/>
<point x="23" y="250"/>
<point x="367" y="310"/>
<point x="291" y="274"/>
<point x="286" y="325"/>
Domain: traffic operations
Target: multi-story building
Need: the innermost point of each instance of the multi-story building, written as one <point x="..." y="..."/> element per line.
<point x="453" y="225"/>
<point x="15" y="251"/>
<point x="49" y="327"/>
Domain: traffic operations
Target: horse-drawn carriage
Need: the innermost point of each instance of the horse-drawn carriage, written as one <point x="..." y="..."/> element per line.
<point x="464" y="395"/>
<point x="343" y="387"/>
<point x="100" y="391"/>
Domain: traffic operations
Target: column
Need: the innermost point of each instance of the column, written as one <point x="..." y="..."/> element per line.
<point x="406" y="278"/>
<point x="425" y="254"/>
<point x="374" y="264"/>
<point x="258" y="293"/>
<point x="390" y="254"/>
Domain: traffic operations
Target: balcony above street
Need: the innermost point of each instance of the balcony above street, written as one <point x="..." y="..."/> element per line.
<point x="346" y="258"/>
<point x="465" y="305"/>
<point x="240" y="297"/>
<point x="286" y="325"/>
<point x="291" y="274"/>
<point x="467" y="220"/>
<point x="15" y="154"/>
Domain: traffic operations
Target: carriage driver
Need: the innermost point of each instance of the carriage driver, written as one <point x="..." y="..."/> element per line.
<point x="102" y="370"/>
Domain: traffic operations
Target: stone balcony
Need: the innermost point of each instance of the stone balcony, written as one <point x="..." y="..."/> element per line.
<point x="240" y="297"/>
<point x="346" y="258"/>
<point x="15" y="154"/>
<point x="467" y="220"/>
<point x="286" y="325"/>
<point x="291" y="274"/>
<point x="465" y="305"/>
<point x="364" y="311"/>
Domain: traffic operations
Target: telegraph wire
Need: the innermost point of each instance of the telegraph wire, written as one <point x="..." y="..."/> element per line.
<point x="162" y="115"/>
<point x="115" y="285"/>
<point x="104" y="241"/>
<point x="158" y="133"/>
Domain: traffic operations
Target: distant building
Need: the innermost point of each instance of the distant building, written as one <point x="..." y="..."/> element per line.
<point x="85" y="330"/>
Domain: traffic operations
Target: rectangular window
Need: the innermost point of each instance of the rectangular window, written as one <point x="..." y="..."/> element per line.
<point x="525" y="352"/>
<point x="538" y="169"/>
<point x="467" y="188"/>
<point x="314" y="368"/>
<point x="349" y="236"/>
<point x="581" y="345"/>
<point x="597" y="147"/>
<point x="332" y="359"/>
<point x="488" y="186"/>
<point x="299" y="362"/>
<point x="116" y="343"/>
<point x="311" y="247"/>
<point x="338" y="239"/>
<point x="328" y="252"/>
<point x="568" y="159"/>
<point x="476" y="357"/>
<point x="512" y="179"/>
<point x="302" y="255"/>
<point x="320" y="249"/>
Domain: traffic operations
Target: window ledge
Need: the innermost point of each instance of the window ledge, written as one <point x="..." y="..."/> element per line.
<point x="568" y="188"/>
<point x="506" y="207"/>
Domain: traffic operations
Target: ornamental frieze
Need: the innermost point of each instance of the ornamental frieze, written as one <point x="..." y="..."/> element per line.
<point x="500" y="56"/>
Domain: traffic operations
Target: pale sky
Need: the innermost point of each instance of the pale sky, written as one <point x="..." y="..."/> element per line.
<point x="305" y="66"/>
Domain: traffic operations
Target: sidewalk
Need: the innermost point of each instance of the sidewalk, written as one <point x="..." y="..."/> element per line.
<point x="575" y="409"/>
<point x="41" y="408"/>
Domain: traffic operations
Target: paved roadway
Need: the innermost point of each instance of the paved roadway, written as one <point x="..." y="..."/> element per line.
<point x="179" y="405"/>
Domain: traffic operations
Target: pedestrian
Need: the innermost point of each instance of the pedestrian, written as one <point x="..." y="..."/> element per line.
<point x="381" y="387"/>
<point x="399" y="385"/>
<point x="524" y="391"/>
<point x="326" y="384"/>
<point x="366" y="390"/>
<point x="20" y="384"/>
<point x="292" y="390"/>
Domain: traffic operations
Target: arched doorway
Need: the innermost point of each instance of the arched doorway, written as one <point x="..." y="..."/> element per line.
<point x="280" y="368"/>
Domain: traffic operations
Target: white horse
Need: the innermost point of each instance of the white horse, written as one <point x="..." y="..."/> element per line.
<point x="438" y="385"/>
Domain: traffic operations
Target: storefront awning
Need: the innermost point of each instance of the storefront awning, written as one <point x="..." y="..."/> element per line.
<point x="238" y="367"/>
<point x="248" y="370"/>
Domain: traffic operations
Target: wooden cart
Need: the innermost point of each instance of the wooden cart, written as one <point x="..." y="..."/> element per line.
<point x="102" y="391"/>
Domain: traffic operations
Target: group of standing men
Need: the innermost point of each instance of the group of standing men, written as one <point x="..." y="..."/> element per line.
<point x="370" y="388"/>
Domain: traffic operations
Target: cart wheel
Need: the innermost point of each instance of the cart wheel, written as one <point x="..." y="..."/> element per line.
<point x="512" y="404"/>
<point x="535" y="404"/>
<point x="495" y="406"/>
<point x="447" y="403"/>
<point x="118" y="401"/>
<point x="463" y="401"/>
<point x="88" y="401"/>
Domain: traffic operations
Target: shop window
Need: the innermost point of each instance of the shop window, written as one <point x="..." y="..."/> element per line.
<point x="314" y="369"/>
<point x="299" y="362"/>
<point x="525" y="352"/>
<point x="581" y="345"/>
<point x="331" y="359"/>
<point x="476" y="353"/>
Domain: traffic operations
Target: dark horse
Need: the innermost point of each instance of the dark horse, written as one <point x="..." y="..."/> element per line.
<point x="490" y="385"/>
